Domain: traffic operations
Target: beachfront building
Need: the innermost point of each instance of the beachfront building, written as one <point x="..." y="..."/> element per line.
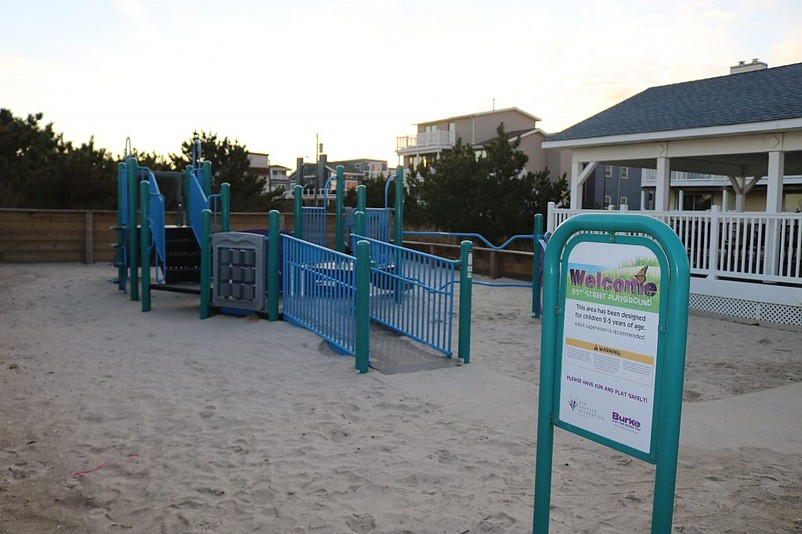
<point x="734" y="146"/>
<point x="476" y="129"/>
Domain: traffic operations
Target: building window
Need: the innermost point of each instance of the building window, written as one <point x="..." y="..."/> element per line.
<point x="696" y="201"/>
<point x="608" y="171"/>
<point x="623" y="201"/>
<point x="358" y="166"/>
<point x="624" y="173"/>
<point x="607" y="200"/>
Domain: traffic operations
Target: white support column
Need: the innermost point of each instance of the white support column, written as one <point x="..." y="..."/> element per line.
<point x="725" y="200"/>
<point x="712" y="253"/>
<point x="579" y="176"/>
<point x="681" y="201"/>
<point x="774" y="193"/>
<point x="643" y="205"/>
<point x="663" y="184"/>
<point x="774" y="204"/>
<point x="576" y="185"/>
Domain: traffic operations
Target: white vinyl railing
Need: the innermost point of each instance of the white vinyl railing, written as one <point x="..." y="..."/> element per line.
<point x="430" y="140"/>
<point x="746" y="246"/>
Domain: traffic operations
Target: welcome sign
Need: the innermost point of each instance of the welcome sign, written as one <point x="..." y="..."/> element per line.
<point x="609" y="342"/>
<point x="612" y="347"/>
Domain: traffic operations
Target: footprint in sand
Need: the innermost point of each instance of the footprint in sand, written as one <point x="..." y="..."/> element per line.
<point x="208" y="411"/>
<point x="197" y="366"/>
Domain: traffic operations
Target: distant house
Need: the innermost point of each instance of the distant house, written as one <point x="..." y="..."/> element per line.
<point x="315" y="175"/>
<point x="477" y="129"/>
<point x="613" y="185"/>
<point x="357" y="170"/>
<point x="259" y="164"/>
<point x="274" y="176"/>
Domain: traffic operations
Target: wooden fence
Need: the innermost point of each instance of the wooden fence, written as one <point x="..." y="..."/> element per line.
<point x="48" y="236"/>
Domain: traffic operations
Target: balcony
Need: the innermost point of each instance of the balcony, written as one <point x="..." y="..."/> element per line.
<point x="695" y="179"/>
<point x="425" y="142"/>
<point x="685" y="179"/>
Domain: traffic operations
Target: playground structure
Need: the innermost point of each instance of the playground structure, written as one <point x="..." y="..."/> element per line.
<point x="179" y="255"/>
<point x="329" y="292"/>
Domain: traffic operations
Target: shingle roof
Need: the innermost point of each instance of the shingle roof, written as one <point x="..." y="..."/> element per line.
<point x="749" y="97"/>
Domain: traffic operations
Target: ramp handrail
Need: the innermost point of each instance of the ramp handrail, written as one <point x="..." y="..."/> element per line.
<point x="156" y="224"/>
<point x="413" y="293"/>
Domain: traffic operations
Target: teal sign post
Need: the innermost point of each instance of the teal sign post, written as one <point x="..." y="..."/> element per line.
<point x="612" y="360"/>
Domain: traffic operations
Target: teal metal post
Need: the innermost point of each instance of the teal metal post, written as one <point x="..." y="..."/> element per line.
<point x="545" y="427"/>
<point x="362" y="306"/>
<point x="359" y="223"/>
<point x="187" y="180"/>
<point x="225" y="200"/>
<point x="361" y="198"/>
<point x="465" y="298"/>
<point x="133" y="259"/>
<point x="121" y="252"/>
<point x="298" y="212"/>
<point x="667" y="453"/>
<point x="536" y="255"/>
<point x="206" y="184"/>
<point x="206" y="263"/>
<point x="339" y="216"/>
<point x="273" y="244"/>
<point x="398" y="225"/>
<point x="144" y="234"/>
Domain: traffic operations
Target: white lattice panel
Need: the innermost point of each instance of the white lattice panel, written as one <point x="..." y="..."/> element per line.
<point x="747" y="309"/>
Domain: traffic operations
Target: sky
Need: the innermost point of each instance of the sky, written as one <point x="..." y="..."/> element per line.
<point x="274" y="74"/>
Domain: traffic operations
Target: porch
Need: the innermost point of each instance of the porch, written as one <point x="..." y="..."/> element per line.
<point x="746" y="265"/>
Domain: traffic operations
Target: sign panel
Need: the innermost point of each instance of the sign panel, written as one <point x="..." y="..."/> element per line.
<point x="609" y="340"/>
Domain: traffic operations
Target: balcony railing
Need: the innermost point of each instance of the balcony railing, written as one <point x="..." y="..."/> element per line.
<point x="747" y="246"/>
<point x="426" y="141"/>
<point x="679" y="178"/>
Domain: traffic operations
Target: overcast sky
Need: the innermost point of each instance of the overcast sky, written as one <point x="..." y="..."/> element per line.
<point x="272" y="74"/>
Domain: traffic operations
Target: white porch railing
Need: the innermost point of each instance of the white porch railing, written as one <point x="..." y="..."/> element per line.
<point x="753" y="246"/>
<point x="427" y="140"/>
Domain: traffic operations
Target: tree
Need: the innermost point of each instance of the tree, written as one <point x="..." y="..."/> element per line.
<point x="39" y="169"/>
<point x="229" y="164"/>
<point x="490" y="194"/>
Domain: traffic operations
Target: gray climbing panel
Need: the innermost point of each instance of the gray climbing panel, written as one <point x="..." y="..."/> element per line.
<point x="239" y="270"/>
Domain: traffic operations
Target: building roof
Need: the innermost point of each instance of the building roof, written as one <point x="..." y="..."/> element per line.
<point x="469" y="115"/>
<point x="750" y="97"/>
<point x="511" y="135"/>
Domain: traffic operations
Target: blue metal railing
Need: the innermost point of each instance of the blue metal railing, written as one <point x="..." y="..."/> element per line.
<point x="470" y="235"/>
<point x="319" y="291"/>
<point x="377" y="226"/>
<point x="539" y="243"/>
<point x="314" y="224"/>
<point x="156" y="224"/>
<point x="196" y="203"/>
<point x="413" y="294"/>
<point x="539" y="240"/>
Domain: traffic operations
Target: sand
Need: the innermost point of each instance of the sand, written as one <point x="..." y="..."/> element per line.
<point x="114" y="420"/>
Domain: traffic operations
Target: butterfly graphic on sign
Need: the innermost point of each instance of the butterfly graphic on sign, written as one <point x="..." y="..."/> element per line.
<point x="641" y="276"/>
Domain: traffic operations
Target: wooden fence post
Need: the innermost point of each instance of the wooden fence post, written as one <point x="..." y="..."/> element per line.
<point x="89" y="238"/>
